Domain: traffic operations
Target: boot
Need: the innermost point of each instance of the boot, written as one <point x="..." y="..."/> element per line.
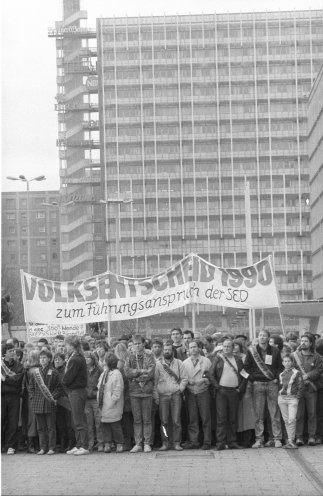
<point x="31" y="446"/>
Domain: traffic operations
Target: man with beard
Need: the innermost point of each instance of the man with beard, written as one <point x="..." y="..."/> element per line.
<point x="12" y="373"/>
<point x="170" y="381"/>
<point x="309" y="363"/>
<point x="263" y="364"/>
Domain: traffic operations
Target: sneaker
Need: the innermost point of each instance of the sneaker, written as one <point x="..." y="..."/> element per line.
<point x="164" y="447"/>
<point x="206" y="447"/>
<point x="119" y="448"/>
<point x="258" y="444"/>
<point x="299" y="442"/>
<point x="190" y="445"/>
<point x="100" y="449"/>
<point x="72" y="451"/>
<point x="269" y="444"/>
<point x="50" y="452"/>
<point x="318" y="440"/>
<point x="136" y="449"/>
<point x="234" y="446"/>
<point x="11" y="451"/>
<point x="287" y="446"/>
<point x="293" y="445"/>
<point x="278" y="443"/>
<point x="220" y="447"/>
<point x="107" y="448"/>
<point x="41" y="452"/>
<point x="311" y="441"/>
<point x="147" y="448"/>
<point x="82" y="451"/>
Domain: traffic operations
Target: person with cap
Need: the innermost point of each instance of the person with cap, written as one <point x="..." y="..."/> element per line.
<point x="310" y="364"/>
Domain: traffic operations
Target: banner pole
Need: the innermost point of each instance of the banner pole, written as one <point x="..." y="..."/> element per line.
<point x="193" y="318"/>
<point x="252" y="323"/>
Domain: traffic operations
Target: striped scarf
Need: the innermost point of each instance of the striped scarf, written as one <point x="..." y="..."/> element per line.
<point x="5" y="371"/>
<point x="101" y="388"/>
<point x="42" y="386"/>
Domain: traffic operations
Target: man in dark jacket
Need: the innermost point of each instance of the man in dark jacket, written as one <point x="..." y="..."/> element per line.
<point x="12" y="373"/>
<point x="229" y="384"/>
<point x="75" y="380"/>
<point x="263" y="364"/>
<point x="310" y="365"/>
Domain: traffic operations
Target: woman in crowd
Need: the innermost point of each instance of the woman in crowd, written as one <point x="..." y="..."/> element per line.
<point x="121" y="353"/>
<point x="91" y="406"/>
<point x="110" y="399"/>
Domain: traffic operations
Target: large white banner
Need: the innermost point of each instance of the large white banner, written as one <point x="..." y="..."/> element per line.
<point x="113" y="297"/>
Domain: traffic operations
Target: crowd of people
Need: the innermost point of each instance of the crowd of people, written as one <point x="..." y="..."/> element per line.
<point x="80" y="394"/>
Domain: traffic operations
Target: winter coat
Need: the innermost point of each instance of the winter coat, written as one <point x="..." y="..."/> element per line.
<point x="112" y="408"/>
<point x="12" y="385"/>
<point x="39" y="403"/>
<point x="76" y="372"/>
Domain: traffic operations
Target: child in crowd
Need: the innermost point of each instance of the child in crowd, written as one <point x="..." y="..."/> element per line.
<point x="110" y="399"/>
<point x="45" y="389"/>
<point x="291" y="390"/>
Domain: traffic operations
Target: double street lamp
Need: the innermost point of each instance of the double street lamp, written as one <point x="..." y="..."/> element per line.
<point x="27" y="182"/>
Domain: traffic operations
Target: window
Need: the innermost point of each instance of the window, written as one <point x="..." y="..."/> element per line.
<point x="43" y="256"/>
<point x="40" y="215"/>
<point x="54" y="229"/>
<point x="54" y="241"/>
<point x="55" y="257"/>
<point x="41" y="242"/>
<point x="12" y="257"/>
<point x="11" y="216"/>
<point x="42" y="229"/>
<point x="12" y="230"/>
<point x="11" y="243"/>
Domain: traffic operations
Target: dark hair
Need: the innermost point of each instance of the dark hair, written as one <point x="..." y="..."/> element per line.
<point x="188" y="331"/>
<point x="241" y="336"/>
<point x="278" y="340"/>
<point x="209" y="339"/>
<point x="59" y="355"/>
<point x="7" y="298"/>
<point x="319" y="346"/>
<point x="196" y="341"/>
<point x="290" y="356"/>
<point x="242" y="348"/>
<point x="168" y="342"/>
<point x="22" y="344"/>
<point x="43" y="340"/>
<point x="111" y="360"/>
<point x="5" y="347"/>
<point x="74" y="341"/>
<point x="311" y="339"/>
<point x="102" y="344"/>
<point x="85" y="346"/>
<point x="291" y="336"/>
<point x="59" y="336"/>
<point x="138" y="337"/>
<point x="157" y="341"/>
<point x="46" y="352"/>
<point x="19" y="353"/>
<point x="178" y="329"/>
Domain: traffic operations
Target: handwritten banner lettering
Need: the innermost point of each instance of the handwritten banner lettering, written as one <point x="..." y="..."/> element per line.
<point x="113" y="297"/>
<point x="50" y="330"/>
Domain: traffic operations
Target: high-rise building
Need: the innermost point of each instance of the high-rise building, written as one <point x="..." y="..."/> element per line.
<point x="34" y="248"/>
<point x="315" y="154"/>
<point x="176" y="112"/>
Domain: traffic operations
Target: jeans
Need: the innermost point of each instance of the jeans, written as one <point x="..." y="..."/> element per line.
<point x="10" y="406"/>
<point x="307" y="401"/>
<point x="46" y="426"/>
<point x="77" y="399"/>
<point x="112" y="431"/>
<point x="93" y="422"/>
<point x="170" y="404"/>
<point x="199" y="404"/>
<point x="288" y="407"/>
<point x="262" y="392"/>
<point x="227" y="403"/>
<point x="141" y="411"/>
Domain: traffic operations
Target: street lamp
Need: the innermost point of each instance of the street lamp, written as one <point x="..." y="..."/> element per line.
<point x="27" y="181"/>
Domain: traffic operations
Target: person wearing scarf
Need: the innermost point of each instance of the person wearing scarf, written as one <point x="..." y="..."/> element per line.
<point x="45" y="389"/>
<point x="12" y="373"/>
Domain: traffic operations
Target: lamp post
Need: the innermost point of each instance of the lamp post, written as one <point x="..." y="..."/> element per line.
<point x="27" y="181"/>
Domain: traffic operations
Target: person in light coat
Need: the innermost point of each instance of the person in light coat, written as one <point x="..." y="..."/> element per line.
<point x="111" y="399"/>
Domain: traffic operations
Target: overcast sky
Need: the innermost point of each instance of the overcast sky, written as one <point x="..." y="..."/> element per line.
<point x="28" y="66"/>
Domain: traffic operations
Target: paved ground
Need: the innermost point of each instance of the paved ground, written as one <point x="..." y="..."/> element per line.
<point x="264" y="472"/>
